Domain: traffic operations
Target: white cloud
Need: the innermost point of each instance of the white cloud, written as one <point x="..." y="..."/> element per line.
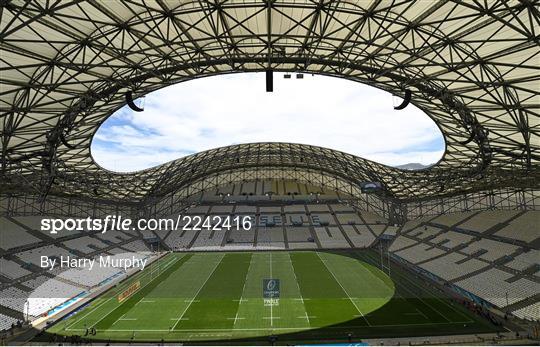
<point x="218" y="111"/>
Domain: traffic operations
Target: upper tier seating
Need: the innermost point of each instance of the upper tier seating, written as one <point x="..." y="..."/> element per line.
<point x="447" y="268"/>
<point x="34" y="223"/>
<point x="494" y="249"/>
<point x="208" y="240"/>
<point x="525" y="260"/>
<point x="331" y="237"/>
<point x="241" y="236"/>
<point x="12" y="235"/>
<point x="450" y="219"/>
<point x="136" y="246"/>
<point x="486" y="219"/>
<point x="270" y="238"/>
<point x="33" y="256"/>
<point x="86" y="244"/>
<point x="359" y="235"/>
<point x="423" y="232"/>
<point x="111" y="237"/>
<point x="297" y="234"/>
<point x="451" y="239"/>
<point x="11" y="269"/>
<point x="372" y="218"/>
<point x="179" y="239"/>
<point x="419" y="253"/>
<point x="524" y="228"/>
<point x="401" y="242"/>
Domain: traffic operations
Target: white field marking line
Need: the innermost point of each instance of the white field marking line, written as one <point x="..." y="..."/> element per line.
<point x="266" y="329"/>
<point x="243" y="288"/>
<point x="439" y="299"/>
<point x="128" y="319"/>
<point x="306" y="317"/>
<point x="299" y="292"/>
<point x="428" y="290"/>
<point x="152" y="280"/>
<point x="344" y="290"/>
<point x="422" y="313"/>
<point x="106" y="301"/>
<point x="422" y="300"/>
<point x="198" y="291"/>
<point x="271" y="306"/>
<point x="235" y="318"/>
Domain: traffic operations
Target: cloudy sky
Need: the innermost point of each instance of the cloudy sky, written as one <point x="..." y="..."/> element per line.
<point x="218" y="111"/>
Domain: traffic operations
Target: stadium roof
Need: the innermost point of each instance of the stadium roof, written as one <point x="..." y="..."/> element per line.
<point x="66" y="66"/>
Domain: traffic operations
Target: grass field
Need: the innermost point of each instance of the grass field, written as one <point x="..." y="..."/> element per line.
<point x="219" y="296"/>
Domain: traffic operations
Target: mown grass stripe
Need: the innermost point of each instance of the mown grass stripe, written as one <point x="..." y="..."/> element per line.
<point x="129" y="303"/>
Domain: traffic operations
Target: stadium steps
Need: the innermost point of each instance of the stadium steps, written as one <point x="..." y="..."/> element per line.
<point x="431" y="259"/>
<point x="314" y="234"/>
<point x="285" y="239"/>
<point x="256" y="236"/>
<point x="66" y="281"/>
<point x="36" y="270"/>
<point x="345" y="236"/>
<point x="37" y="234"/>
<point x="28" y="266"/>
<point x="195" y="237"/>
<point x="125" y="242"/>
<point x="465" y="219"/>
<point x="18" y="283"/>
<point x="226" y="237"/>
<point x="494" y="229"/>
<point x="406" y="247"/>
<point x="11" y="312"/>
<point x="477" y="235"/>
<point x="4" y="280"/>
<point x="530" y="271"/>
<point x="165" y="238"/>
<point x="367" y="225"/>
<point x="59" y="242"/>
<point x="472" y="274"/>
<point x="522" y="303"/>
<point x="351" y="244"/>
<point x="516" y="216"/>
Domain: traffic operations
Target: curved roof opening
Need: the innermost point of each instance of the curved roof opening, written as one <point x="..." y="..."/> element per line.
<point x="223" y="110"/>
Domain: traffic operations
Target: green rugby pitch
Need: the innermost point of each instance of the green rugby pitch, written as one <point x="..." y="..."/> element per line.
<point x="195" y="297"/>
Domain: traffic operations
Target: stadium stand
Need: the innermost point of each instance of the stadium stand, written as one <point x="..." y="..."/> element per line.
<point x="476" y="252"/>
<point x="12" y="269"/>
<point x="31" y="290"/>
<point x="6" y="322"/>
<point x="524" y="228"/>
<point x="13" y="235"/>
<point x="531" y="312"/>
<point x="485" y="257"/>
